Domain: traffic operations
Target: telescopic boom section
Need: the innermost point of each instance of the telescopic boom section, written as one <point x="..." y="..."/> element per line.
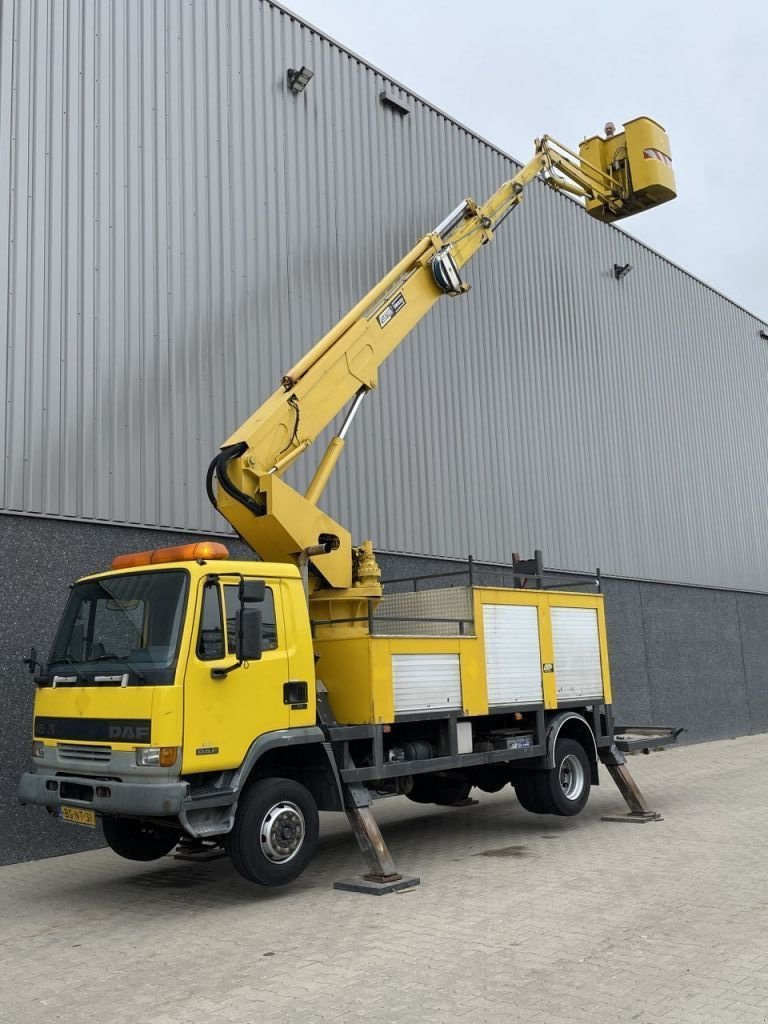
<point x="617" y="176"/>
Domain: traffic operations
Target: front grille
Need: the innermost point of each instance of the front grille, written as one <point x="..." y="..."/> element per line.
<point x="82" y="752"/>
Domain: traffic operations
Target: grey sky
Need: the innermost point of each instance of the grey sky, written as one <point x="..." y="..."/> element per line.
<point x="512" y="71"/>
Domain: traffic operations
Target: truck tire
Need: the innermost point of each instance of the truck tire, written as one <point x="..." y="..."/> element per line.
<point x="275" y="832"/>
<point x="135" y="840"/>
<point x="566" y="786"/>
<point x="529" y="796"/>
<point x="439" y="789"/>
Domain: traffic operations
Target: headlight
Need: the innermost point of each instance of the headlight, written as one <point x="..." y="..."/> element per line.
<point x="160" y="757"/>
<point x="38" y="748"/>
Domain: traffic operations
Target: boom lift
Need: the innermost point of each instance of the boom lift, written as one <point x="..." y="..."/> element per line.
<point x="218" y="702"/>
<point x="617" y="176"/>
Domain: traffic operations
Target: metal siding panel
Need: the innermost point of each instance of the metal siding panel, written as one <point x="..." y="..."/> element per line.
<point x="177" y="228"/>
<point x="512" y="654"/>
<point x="426" y="682"/>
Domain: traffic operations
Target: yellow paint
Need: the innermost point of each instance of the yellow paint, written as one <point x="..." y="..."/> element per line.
<point x="145" y="702"/>
<point x="640" y="159"/>
<point x="199" y="712"/>
<point x="547" y="652"/>
<point x="616" y="179"/>
<point x="344" y="666"/>
<point x="358" y="670"/>
<point x="226" y="714"/>
<point x="604" y="660"/>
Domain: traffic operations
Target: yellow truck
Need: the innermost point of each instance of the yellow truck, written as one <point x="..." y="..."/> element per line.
<point x="193" y="698"/>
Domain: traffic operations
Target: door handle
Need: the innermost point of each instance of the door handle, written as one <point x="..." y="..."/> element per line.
<point x="295" y="692"/>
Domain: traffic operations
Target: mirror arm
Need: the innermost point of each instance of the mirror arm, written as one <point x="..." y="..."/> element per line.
<point x="31" y="662"/>
<point x="222" y="673"/>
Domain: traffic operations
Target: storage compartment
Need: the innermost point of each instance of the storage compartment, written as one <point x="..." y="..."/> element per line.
<point x="534" y="648"/>
<point x="444" y="611"/>
<point x="512" y="654"/>
<point x="576" y="643"/>
<point x="426" y="682"/>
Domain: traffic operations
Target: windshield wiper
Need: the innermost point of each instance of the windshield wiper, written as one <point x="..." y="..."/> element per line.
<point x="120" y="659"/>
<point x="67" y="659"/>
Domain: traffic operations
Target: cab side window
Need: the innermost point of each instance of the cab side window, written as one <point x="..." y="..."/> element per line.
<point x="268" y="623"/>
<point x="210" y="643"/>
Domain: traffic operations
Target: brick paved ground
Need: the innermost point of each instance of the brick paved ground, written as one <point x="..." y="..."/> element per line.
<point x="537" y="919"/>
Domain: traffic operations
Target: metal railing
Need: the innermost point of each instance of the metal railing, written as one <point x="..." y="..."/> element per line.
<point x="372" y="620"/>
<point x="522" y="572"/>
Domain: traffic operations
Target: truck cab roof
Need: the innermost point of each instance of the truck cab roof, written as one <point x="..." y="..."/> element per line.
<point x="204" y="567"/>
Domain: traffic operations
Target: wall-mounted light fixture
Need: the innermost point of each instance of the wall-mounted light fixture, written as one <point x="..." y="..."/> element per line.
<point x="764" y="335"/>
<point x="299" y="80"/>
<point x="391" y="101"/>
<point x="620" y="271"/>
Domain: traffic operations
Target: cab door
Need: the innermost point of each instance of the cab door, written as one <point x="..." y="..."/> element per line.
<point x="224" y="715"/>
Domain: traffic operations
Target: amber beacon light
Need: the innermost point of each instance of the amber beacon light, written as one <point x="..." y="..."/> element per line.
<point x="201" y="551"/>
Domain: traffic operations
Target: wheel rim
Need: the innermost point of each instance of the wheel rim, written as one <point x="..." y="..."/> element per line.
<point x="571" y="777"/>
<point x="282" y="832"/>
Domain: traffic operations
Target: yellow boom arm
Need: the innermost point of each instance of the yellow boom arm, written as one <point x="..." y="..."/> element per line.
<point x="617" y="178"/>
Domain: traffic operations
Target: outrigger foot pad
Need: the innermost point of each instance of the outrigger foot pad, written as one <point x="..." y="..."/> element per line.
<point x="638" y="817"/>
<point x="364" y="884"/>
<point x="382" y="875"/>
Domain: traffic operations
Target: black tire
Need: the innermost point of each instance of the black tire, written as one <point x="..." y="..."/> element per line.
<point x="567" y="785"/>
<point x="439" y="789"/>
<point x="135" y="840"/>
<point x="528" y="795"/>
<point x="275" y="832"/>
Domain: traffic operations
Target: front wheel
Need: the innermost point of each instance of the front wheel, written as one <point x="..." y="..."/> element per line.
<point x="135" y="840"/>
<point x="275" y="832"/>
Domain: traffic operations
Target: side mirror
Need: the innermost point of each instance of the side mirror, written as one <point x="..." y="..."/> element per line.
<point x="248" y="642"/>
<point x="252" y="591"/>
<point x="31" y="661"/>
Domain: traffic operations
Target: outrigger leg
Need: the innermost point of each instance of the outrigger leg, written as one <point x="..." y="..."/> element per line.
<point x="616" y="763"/>
<point x="382" y="875"/>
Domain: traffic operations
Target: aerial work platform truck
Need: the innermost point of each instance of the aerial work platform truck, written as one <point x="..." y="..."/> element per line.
<point x="217" y="703"/>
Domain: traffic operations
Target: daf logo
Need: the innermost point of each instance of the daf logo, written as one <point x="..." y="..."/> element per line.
<point x="128" y="733"/>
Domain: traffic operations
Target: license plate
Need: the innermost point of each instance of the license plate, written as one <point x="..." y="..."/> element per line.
<point x="79" y="816"/>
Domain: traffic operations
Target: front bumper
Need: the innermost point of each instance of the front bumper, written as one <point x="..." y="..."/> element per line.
<point x="146" y="800"/>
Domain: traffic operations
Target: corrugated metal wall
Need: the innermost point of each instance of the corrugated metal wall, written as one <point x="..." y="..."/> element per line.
<point x="180" y="228"/>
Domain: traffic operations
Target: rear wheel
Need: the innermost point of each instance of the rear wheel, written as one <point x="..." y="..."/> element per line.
<point x="568" y="783"/>
<point x="439" y="789"/>
<point x="529" y="796"/>
<point x="562" y="790"/>
<point x="275" y="832"/>
<point x="135" y="840"/>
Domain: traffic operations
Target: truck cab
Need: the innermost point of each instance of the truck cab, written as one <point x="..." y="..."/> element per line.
<point x="165" y="673"/>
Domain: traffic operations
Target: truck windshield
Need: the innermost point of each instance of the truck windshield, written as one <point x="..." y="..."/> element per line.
<point x="121" y="629"/>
